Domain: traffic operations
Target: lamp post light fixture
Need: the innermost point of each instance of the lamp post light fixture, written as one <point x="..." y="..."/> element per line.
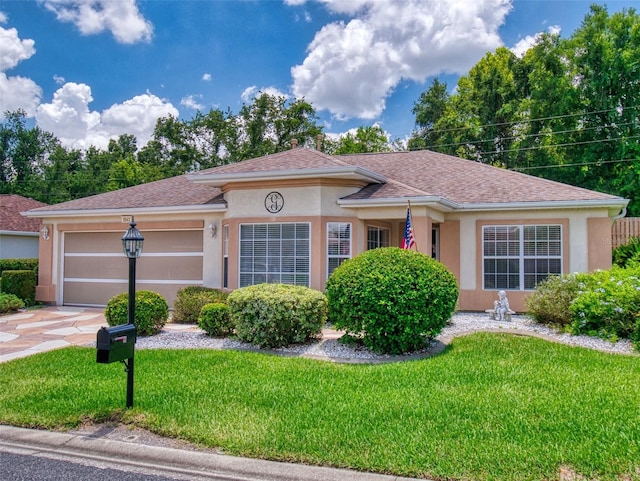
<point x="132" y="243"/>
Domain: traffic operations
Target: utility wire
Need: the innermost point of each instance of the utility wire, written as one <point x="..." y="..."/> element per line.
<point x="539" y="119"/>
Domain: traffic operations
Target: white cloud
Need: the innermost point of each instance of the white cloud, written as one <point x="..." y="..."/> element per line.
<point x="529" y="41"/>
<point x="206" y="77"/>
<point x="191" y="103"/>
<point x="3" y="17"/>
<point x="16" y="92"/>
<point x="69" y="118"/>
<point x="59" y="80"/>
<point x="13" y="49"/>
<point x="351" y="68"/>
<point x="251" y="92"/>
<point x="122" y="18"/>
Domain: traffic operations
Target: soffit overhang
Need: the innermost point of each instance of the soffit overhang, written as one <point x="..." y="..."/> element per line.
<point x="352" y="173"/>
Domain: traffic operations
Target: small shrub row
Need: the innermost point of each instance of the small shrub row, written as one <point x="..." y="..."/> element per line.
<point x="190" y="300"/>
<point x="151" y="312"/>
<point x="10" y="303"/>
<point x="214" y="319"/>
<point x="21" y="283"/>
<point x="30" y="264"/>
<point x="604" y="304"/>
<point x="626" y="254"/>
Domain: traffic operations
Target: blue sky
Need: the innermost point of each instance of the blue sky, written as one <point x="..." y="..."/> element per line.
<point x="89" y="70"/>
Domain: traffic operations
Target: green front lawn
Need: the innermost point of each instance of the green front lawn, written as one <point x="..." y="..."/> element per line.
<point x="491" y="407"/>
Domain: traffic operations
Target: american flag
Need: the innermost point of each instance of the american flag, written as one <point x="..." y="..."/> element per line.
<point x="408" y="241"/>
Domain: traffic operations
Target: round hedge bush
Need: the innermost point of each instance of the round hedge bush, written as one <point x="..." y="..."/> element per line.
<point x="276" y="315"/>
<point x="151" y="312"/>
<point x="550" y="302"/>
<point x="214" y="319"/>
<point x="190" y="300"/>
<point x="395" y="300"/>
<point x="10" y="303"/>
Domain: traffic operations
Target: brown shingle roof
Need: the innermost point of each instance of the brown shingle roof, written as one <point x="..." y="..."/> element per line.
<point x="426" y="173"/>
<point x="171" y="192"/>
<point x="407" y="174"/>
<point x="10" y="218"/>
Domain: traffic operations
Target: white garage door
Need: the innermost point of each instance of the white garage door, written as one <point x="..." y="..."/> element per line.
<point x="95" y="269"/>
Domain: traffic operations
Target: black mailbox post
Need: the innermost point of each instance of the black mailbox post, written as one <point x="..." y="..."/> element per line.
<point x="116" y="343"/>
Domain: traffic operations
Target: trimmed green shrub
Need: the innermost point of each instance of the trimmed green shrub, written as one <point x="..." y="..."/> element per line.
<point x="276" y="315"/>
<point x="30" y="264"/>
<point x="10" y="303"/>
<point x="190" y="300"/>
<point x="550" y="302"/>
<point x="627" y="254"/>
<point x="635" y="336"/>
<point x="608" y="303"/>
<point x="214" y="319"/>
<point x="395" y="300"/>
<point x="151" y="312"/>
<point x="20" y="283"/>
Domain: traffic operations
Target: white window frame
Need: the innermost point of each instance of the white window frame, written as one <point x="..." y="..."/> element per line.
<point x="271" y="265"/>
<point x="380" y="234"/>
<point x="339" y="248"/>
<point x="519" y="254"/>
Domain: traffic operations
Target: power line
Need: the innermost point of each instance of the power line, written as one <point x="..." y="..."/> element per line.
<point x="620" y="110"/>
<point x="568" y="144"/>
<point x="527" y="136"/>
<point x="574" y="164"/>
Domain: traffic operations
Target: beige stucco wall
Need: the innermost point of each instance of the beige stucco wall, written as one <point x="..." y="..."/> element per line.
<point x="586" y="234"/>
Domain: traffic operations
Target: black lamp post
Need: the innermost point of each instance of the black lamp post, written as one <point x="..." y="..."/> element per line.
<point x="132" y="243"/>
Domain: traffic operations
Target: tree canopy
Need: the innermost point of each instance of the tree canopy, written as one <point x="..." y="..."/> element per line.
<point x="567" y="110"/>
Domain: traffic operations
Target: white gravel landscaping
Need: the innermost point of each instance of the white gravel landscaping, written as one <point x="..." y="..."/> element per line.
<point x="185" y="337"/>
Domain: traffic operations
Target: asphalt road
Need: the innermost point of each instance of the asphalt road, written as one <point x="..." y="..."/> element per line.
<point x="34" y="455"/>
<point x="37" y="467"/>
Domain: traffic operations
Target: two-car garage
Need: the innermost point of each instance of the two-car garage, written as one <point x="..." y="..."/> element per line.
<point x="94" y="268"/>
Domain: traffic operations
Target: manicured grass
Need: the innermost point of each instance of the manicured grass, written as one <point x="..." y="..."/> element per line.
<point x="491" y="407"/>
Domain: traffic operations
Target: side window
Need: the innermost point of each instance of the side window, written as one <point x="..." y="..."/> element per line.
<point x="377" y="237"/>
<point x="338" y="244"/>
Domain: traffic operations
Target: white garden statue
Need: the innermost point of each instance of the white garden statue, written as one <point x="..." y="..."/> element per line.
<point x="501" y="309"/>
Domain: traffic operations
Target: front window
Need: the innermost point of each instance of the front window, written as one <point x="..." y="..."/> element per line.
<point x="278" y="253"/>
<point x="518" y="257"/>
<point x="338" y="244"/>
<point x="377" y="237"/>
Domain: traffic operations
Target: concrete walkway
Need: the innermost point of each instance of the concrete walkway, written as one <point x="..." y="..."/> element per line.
<point x="39" y="330"/>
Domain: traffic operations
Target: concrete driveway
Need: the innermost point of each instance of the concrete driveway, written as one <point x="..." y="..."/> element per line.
<point x="39" y="330"/>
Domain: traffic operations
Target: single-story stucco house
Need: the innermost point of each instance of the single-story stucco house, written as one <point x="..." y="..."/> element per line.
<point x="18" y="234"/>
<point x="293" y="216"/>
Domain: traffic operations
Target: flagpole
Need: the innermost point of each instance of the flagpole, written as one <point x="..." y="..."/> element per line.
<point x="415" y="242"/>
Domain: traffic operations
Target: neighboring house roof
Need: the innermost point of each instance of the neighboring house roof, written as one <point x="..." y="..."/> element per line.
<point x="394" y="176"/>
<point x="11" y="219"/>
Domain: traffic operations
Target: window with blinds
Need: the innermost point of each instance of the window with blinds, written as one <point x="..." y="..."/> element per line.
<point x="338" y="244"/>
<point x="278" y="253"/>
<point x="520" y="256"/>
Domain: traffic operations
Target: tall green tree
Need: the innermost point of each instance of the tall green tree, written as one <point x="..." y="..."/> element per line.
<point x="24" y="153"/>
<point x="429" y="110"/>
<point x="364" y="140"/>
<point x="567" y="110"/>
<point x="270" y="123"/>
